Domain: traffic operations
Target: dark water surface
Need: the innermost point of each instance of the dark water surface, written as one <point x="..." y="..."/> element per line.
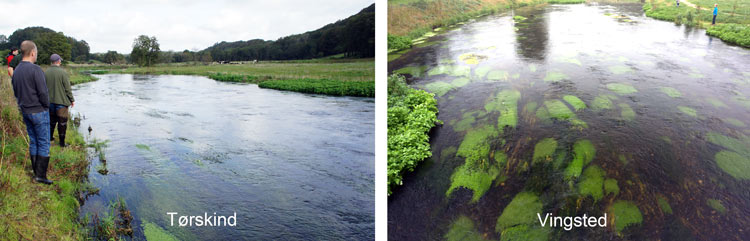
<point x="689" y="150"/>
<point x="292" y="166"/>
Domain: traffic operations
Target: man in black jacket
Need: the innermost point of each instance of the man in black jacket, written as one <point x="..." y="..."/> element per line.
<point x="30" y="89"/>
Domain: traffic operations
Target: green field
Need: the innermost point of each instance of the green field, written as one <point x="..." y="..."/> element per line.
<point x="340" y="76"/>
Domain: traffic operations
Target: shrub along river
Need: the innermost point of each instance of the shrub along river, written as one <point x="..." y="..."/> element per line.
<point x="579" y="109"/>
<point x="291" y="165"/>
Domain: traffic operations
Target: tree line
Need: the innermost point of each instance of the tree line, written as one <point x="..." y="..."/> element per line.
<point x="353" y="37"/>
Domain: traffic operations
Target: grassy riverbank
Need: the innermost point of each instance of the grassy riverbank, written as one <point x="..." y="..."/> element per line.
<point x="341" y="77"/>
<point x="411" y="22"/>
<point x="732" y="22"/>
<point x="32" y="211"/>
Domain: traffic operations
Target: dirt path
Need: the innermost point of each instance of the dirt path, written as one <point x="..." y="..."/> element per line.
<point x="689" y="4"/>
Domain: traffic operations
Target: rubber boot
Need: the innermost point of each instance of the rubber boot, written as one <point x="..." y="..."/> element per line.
<point x="42" y="170"/>
<point x="61" y="133"/>
<point x="52" y="124"/>
<point x="33" y="164"/>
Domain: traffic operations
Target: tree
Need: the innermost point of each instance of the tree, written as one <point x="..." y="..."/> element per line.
<point x="145" y="51"/>
<point x="79" y="50"/>
<point x="51" y="43"/>
<point x="206" y="57"/>
<point x="30" y="33"/>
<point x="112" y="57"/>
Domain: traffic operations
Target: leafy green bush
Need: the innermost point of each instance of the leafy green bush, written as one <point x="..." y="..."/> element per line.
<point x="734" y="33"/>
<point x="323" y="86"/>
<point x="398" y="42"/>
<point x="411" y="115"/>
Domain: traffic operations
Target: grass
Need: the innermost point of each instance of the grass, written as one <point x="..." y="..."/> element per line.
<point x="34" y="211"/>
<point x="351" y="77"/>
<point x="113" y="224"/>
<point x="410" y="20"/>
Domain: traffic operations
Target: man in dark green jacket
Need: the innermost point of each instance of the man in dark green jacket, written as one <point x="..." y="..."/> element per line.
<point x="60" y="97"/>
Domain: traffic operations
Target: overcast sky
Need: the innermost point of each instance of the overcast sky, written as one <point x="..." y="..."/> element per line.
<point x="177" y="24"/>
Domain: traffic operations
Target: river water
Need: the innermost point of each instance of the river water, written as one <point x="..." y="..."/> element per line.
<point x="292" y="166"/>
<point x="666" y="112"/>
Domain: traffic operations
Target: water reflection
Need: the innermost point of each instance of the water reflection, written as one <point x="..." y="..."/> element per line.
<point x="532" y="34"/>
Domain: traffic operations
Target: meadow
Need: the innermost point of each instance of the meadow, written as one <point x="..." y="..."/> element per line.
<point x="340" y="76"/>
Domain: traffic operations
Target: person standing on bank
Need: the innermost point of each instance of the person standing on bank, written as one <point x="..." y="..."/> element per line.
<point x="30" y="89"/>
<point x="716" y="11"/>
<point x="60" y="97"/>
<point x="9" y="58"/>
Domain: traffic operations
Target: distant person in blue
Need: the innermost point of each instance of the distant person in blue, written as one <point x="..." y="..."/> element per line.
<point x="716" y="11"/>
<point x="678" y="3"/>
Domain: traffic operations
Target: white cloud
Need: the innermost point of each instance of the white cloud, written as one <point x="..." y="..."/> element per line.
<point x="178" y="25"/>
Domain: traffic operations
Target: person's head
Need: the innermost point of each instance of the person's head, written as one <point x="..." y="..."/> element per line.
<point x="55" y="59"/>
<point x="716" y="4"/>
<point x="28" y="48"/>
<point x="14" y="50"/>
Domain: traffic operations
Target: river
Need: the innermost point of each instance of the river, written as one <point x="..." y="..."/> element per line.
<point x="580" y="109"/>
<point x="292" y="166"/>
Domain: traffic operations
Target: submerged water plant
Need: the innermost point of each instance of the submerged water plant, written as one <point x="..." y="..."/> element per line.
<point x="414" y="71"/>
<point x="592" y="182"/>
<point x="439" y="87"/>
<point x="471" y="58"/>
<point x="625" y="214"/>
<point x="452" y="70"/>
<point x="154" y="232"/>
<point x="734" y="164"/>
<point x="626" y="112"/>
<point x="583" y="153"/>
<point x="716" y="205"/>
<point x="463" y="229"/>
<point x="688" y="111"/>
<point x="621" y="88"/>
<point x="497" y="75"/>
<point x="671" y="92"/>
<point x="505" y="102"/>
<point x="603" y="102"/>
<point x="574" y="101"/>
<point x="522" y="210"/>
<point x="664" y="205"/>
<point x="481" y="71"/>
<point x="620" y="69"/>
<point x="544" y="150"/>
<point x="611" y="187"/>
<point x="478" y="171"/>
<point x="554" y="77"/>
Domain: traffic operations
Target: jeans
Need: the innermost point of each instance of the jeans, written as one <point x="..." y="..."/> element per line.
<point x="37" y="125"/>
<point x="714" y="21"/>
